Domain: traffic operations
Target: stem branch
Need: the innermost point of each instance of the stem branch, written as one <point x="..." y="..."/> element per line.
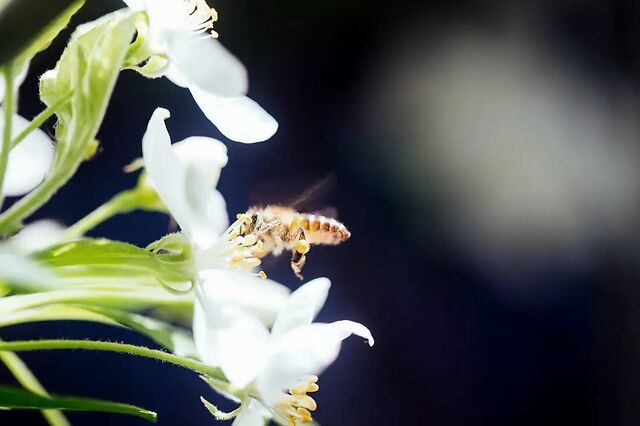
<point x="39" y="119"/>
<point x="25" y="377"/>
<point x="120" y="203"/>
<point x="8" y="108"/>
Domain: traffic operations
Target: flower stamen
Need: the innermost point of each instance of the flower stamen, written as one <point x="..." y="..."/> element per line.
<point x="297" y="405"/>
<point x="201" y="17"/>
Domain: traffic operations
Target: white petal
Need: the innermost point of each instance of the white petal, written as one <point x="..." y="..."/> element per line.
<point x="206" y="63"/>
<point x="250" y="415"/>
<point x="29" y="162"/>
<point x="134" y="4"/>
<point x="176" y="77"/>
<point x="207" y="155"/>
<point x="16" y="268"/>
<point x="229" y="338"/>
<point x="303" y="351"/>
<point x="164" y="15"/>
<point x="217" y="213"/>
<point x="37" y="236"/>
<point x="302" y="307"/>
<point x="225" y="290"/>
<point x="239" y="118"/>
<point x="230" y="319"/>
<point x="17" y="81"/>
<point x="184" y="187"/>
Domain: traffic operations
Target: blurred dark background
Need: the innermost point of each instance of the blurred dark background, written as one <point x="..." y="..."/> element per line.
<point x="485" y="156"/>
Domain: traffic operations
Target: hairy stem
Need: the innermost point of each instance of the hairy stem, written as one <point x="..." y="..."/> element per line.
<point x="39" y="345"/>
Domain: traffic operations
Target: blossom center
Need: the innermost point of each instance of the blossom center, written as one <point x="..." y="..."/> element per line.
<point x="241" y="251"/>
<point x="297" y="405"/>
<point x="201" y="17"/>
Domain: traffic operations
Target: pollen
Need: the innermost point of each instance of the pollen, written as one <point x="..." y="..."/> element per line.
<point x="302" y="246"/>
<point x="243" y="217"/>
<point x="262" y="274"/>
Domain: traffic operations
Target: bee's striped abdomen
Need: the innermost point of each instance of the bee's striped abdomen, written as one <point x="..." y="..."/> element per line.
<point x="322" y="229"/>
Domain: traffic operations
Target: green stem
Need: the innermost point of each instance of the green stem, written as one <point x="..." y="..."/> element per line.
<point x="39" y="119"/>
<point x="9" y="107"/>
<point x="25" y="377"/>
<point x="39" y="345"/>
<point x="123" y="202"/>
<point x="10" y="220"/>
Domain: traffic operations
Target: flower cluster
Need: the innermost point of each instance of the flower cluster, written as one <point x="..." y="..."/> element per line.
<point x="256" y="342"/>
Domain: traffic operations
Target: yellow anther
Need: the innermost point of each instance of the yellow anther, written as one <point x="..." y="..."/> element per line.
<point x="244" y="218"/>
<point x="302" y="246"/>
<point x="262" y="275"/>
<point x="249" y="240"/>
<point x="311" y="378"/>
<point x="305" y="401"/>
<point x="252" y="262"/>
<point x="305" y="415"/>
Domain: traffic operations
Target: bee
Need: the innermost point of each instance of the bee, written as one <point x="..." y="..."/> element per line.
<point x="279" y="228"/>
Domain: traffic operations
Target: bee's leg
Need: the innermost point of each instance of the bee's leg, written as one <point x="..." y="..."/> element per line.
<point x="298" y="254"/>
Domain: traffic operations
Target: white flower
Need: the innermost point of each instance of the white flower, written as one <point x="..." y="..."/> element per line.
<point x="234" y="309"/>
<point x="185" y="176"/>
<point x="29" y="161"/>
<point x="182" y="30"/>
<point x="278" y="368"/>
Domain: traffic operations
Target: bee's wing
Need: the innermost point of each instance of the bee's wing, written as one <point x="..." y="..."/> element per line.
<point x="275" y="192"/>
<point x="331" y="212"/>
<point x="315" y="191"/>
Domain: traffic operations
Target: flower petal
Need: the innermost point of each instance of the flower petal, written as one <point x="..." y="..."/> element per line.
<point x="302" y="307"/>
<point x="19" y="269"/>
<point x="176" y="77"/>
<point x="29" y="162"/>
<point x="186" y="187"/>
<point x="37" y="235"/>
<point x="207" y="155"/>
<point x="164" y="15"/>
<point x="232" y="308"/>
<point x="206" y="63"/>
<point x="232" y="340"/>
<point x="304" y="351"/>
<point x="134" y="4"/>
<point x="250" y="415"/>
<point x="223" y="291"/>
<point x="239" y="118"/>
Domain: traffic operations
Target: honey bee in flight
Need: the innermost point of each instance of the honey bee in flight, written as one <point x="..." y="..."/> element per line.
<point x="280" y="228"/>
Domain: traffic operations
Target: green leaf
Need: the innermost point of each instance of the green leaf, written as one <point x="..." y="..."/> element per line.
<point x="106" y="264"/>
<point x="26" y="378"/>
<point x="88" y="69"/>
<point x="122" y="299"/>
<point x="216" y="413"/>
<point x="175" y="339"/>
<point x="14" y="398"/>
<point x="28" y="26"/>
<point x="60" y="312"/>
